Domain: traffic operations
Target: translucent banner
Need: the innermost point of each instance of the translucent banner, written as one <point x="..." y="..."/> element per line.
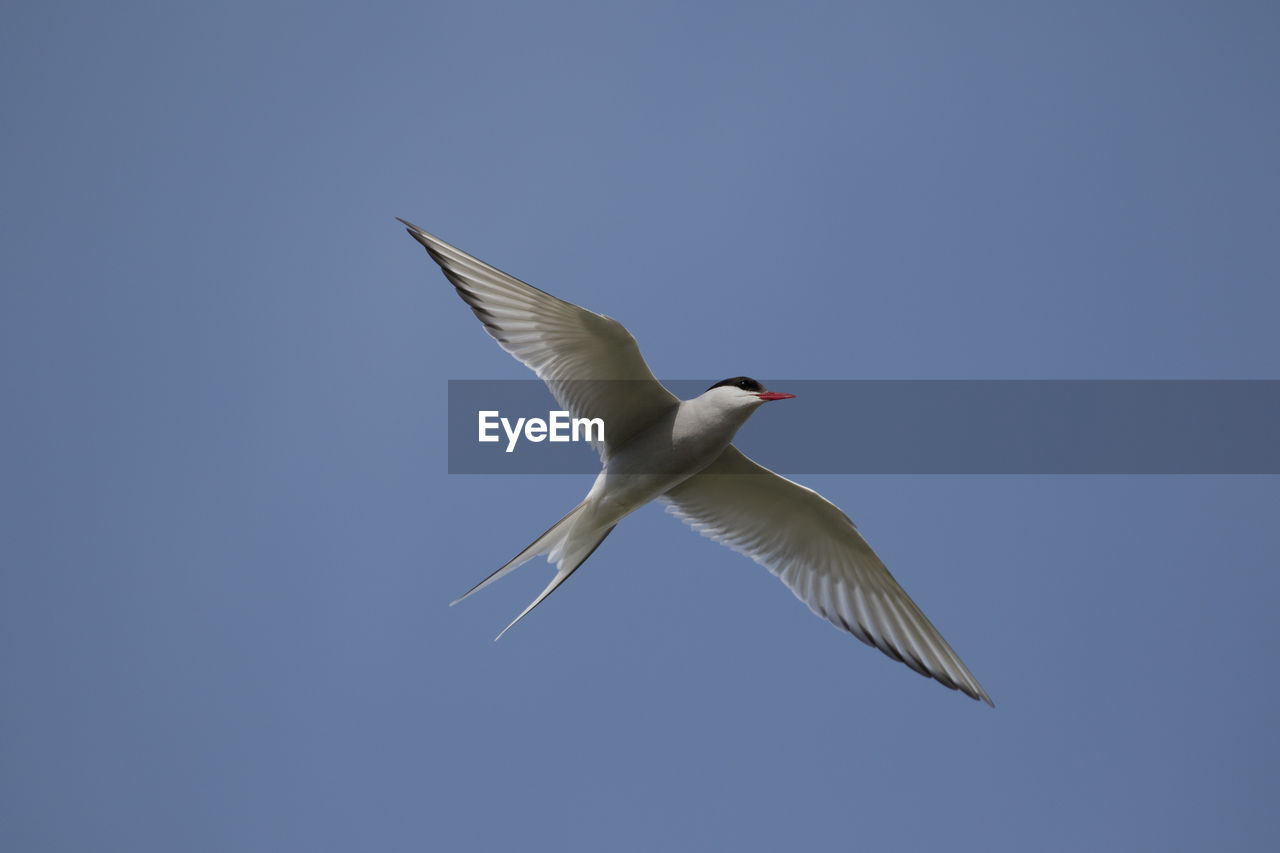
<point x="910" y="427"/>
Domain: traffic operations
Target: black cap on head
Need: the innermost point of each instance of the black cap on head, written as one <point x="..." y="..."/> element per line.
<point x="746" y="383"/>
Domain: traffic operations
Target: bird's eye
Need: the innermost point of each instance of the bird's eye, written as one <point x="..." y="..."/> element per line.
<point x="744" y="384"/>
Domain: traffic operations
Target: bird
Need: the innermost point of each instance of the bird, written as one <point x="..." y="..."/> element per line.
<point x="657" y="447"/>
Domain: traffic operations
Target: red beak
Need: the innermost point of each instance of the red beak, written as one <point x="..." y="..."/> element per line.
<point x="775" y="395"/>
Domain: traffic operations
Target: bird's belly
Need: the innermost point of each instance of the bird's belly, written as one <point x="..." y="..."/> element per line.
<point x="631" y="480"/>
<point x="624" y="493"/>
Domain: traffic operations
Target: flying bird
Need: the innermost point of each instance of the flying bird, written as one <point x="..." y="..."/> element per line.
<point x="680" y="452"/>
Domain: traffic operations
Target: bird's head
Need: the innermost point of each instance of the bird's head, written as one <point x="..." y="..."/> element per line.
<point x="741" y="392"/>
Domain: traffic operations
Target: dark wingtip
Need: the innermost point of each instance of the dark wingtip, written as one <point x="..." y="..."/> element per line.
<point x="418" y="234"/>
<point x="410" y="227"/>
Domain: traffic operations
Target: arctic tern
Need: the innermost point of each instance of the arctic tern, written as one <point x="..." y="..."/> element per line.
<point x="679" y="452"/>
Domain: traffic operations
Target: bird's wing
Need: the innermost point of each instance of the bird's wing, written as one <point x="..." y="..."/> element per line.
<point x="590" y="362"/>
<point x="815" y="549"/>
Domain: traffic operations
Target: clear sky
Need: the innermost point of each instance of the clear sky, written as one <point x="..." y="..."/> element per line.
<point x="229" y="541"/>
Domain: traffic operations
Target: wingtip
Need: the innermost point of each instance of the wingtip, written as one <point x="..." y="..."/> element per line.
<point x="978" y="694"/>
<point x="413" y="230"/>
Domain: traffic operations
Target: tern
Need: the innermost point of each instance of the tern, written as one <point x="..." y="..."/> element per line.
<point x="680" y="452"/>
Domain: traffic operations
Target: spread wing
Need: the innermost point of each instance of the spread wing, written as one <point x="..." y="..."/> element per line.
<point x="815" y="549"/>
<point x="590" y="362"/>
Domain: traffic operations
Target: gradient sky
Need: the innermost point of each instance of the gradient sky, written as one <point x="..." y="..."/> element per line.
<point x="229" y="540"/>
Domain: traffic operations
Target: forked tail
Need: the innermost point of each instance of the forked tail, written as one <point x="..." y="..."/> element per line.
<point x="567" y="543"/>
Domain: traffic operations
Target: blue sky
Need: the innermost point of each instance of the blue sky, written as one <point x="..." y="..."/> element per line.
<point x="229" y="538"/>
